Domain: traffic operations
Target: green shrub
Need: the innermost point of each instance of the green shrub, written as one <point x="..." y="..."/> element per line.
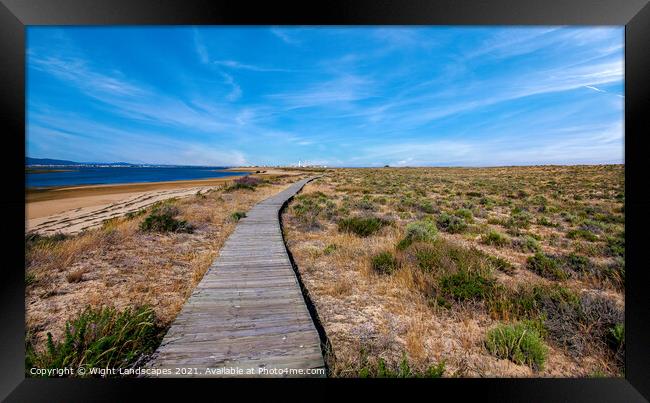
<point x="306" y="211"/>
<point x="501" y="264"/>
<point x="381" y="370"/>
<point x="553" y="302"/>
<point x="384" y="263"/>
<point x="423" y="230"/>
<point x="446" y="257"/>
<point x="361" y="226"/>
<point x="496" y="221"/>
<point x="467" y="285"/>
<point x="365" y="204"/>
<point x="161" y="219"/>
<point x="546" y="222"/>
<point x="577" y="263"/>
<point x="329" y="249"/>
<point x="427" y="257"/>
<point x="403" y="243"/>
<point x="434" y="371"/>
<point x="465" y="214"/>
<point x="99" y="338"/>
<point x="451" y="223"/>
<point x="546" y="266"/>
<point x="518" y="220"/>
<point x="538" y="324"/>
<point x="247" y="183"/>
<point x="427" y="207"/>
<point x="526" y="244"/>
<point x="495" y="238"/>
<point x="237" y="215"/>
<point x="309" y="207"/>
<point x="519" y="343"/>
<point x="418" y="231"/>
<point x="487" y="202"/>
<point x="616" y="246"/>
<point x="616" y="337"/>
<point x="583" y="234"/>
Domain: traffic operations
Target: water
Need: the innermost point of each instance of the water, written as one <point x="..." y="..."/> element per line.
<point x="112" y="175"/>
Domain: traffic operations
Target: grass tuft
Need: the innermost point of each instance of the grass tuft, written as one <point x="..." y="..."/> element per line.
<point x="451" y="223"/>
<point x="467" y="285"/>
<point x="546" y="266"/>
<point x="237" y="215"/>
<point x="418" y="231"/>
<point x="361" y="226"/>
<point x="99" y="338"/>
<point x="384" y="263"/>
<point x="162" y="219"/>
<point x="520" y="343"/>
<point x="380" y="369"/>
<point x="495" y="238"/>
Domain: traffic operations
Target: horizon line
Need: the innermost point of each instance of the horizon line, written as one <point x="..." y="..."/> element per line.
<point x="333" y="166"/>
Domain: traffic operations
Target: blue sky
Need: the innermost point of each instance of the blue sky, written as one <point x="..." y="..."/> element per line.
<point x="338" y="96"/>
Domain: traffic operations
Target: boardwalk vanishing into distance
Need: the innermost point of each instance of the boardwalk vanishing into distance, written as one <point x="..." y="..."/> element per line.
<point x="248" y="313"/>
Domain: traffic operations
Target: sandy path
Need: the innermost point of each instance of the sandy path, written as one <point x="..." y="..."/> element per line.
<point x="87" y="213"/>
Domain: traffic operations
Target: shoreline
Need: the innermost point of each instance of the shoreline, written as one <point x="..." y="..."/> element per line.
<point x="41" y="203"/>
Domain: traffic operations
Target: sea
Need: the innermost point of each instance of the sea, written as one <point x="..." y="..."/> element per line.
<point x="71" y="176"/>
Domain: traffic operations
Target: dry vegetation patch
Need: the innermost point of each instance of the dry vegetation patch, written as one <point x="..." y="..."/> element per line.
<point x="151" y="258"/>
<point x="515" y="271"/>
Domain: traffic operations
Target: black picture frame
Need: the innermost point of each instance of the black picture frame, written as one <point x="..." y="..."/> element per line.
<point x="15" y="15"/>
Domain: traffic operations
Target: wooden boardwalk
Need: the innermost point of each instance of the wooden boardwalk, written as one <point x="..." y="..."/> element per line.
<point x="247" y="317"/>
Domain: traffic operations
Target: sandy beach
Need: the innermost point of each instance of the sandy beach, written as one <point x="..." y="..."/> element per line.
<point x="72" y="209"/>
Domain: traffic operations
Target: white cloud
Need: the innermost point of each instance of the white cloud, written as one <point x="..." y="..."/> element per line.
<point x="591" y="87"/>
<point x="83" y="135"/>
<point x="285" y="36"/>
<point x="578" y="144"/>
<point x="382" y="111"/>
<point x="78" y="72"/>
<point x="342" y="89"/>
<point x="233" y="64"/>
<point x="200" y="48"/>
<point x="235" y="92"/>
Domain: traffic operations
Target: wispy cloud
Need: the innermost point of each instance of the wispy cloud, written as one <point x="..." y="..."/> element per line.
<point x="200" y="48"/>
<point x="336" y="91"/>
<point x="235" y="92"/>
<point x="78" y="72"/>
<point x="232" y="64"/>
<point x="591" y="87"/>
<point x="285" y="35"/>
<point x="362" y="96"/>
<point x="580" y="144"/>
<point x="86" y="133"/>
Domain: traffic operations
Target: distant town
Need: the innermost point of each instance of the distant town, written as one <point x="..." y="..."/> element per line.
<point x="49" y="163"/>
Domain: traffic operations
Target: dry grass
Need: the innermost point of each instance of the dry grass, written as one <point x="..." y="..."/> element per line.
<point x="120" y="266"/>
<point x="387" y="316"/>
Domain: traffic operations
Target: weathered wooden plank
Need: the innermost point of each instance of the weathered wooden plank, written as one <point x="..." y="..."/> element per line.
<point x="248" y="311"/>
